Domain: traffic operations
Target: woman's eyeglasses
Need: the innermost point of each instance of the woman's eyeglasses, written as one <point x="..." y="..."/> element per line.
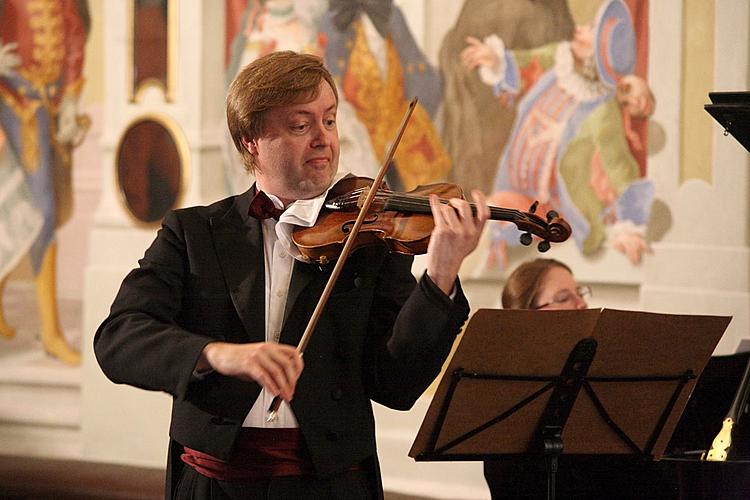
<point x="566" y="296"/>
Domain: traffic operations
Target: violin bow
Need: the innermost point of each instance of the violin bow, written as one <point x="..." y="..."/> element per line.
<point x="276" y="403"/>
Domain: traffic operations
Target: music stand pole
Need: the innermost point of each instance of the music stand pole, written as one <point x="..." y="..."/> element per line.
<point x="561" y="401"/>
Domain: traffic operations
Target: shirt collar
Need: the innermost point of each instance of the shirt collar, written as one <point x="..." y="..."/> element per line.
<point x="300" y="213"/>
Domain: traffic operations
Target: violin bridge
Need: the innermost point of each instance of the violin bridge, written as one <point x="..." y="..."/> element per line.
<point x="363" y="197"/>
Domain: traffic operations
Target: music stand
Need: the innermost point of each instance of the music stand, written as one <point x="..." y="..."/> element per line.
<point x="541" y="383"/>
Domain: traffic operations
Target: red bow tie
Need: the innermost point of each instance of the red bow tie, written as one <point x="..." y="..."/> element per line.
<point x="261" y="207"/>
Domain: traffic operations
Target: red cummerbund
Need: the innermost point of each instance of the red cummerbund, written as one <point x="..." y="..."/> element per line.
<point x="259" y="453"/>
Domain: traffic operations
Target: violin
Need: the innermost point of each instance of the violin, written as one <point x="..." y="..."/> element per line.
<point x="403" y="221"/>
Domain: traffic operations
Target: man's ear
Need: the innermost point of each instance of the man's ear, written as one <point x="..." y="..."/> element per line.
<point x="250" y="146"/>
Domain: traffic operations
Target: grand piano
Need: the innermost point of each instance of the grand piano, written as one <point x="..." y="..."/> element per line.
<point x="682" y="474"/>
<point x="722" y="389"/>
<point x="684" y="465"/>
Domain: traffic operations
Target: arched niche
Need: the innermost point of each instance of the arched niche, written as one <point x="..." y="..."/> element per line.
<point x="153" y="47"/>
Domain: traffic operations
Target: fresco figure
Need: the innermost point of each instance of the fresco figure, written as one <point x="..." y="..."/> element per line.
<point x="570" y="146"/>
<point x="475" y="122"/>
<point x="41" y="60"/>
<point x="380" y="68"/>
<point x="262" y="26"/>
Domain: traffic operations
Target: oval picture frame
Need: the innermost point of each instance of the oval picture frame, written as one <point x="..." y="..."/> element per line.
<point x="151" y="168"/>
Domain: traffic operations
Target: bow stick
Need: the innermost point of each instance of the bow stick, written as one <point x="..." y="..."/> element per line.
<point x="276" y="403"/>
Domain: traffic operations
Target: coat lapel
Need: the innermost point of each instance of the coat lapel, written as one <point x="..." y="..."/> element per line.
<point x="302" y="275"/>
<point x="308" y="281"/>
<point x="238" y="239"/>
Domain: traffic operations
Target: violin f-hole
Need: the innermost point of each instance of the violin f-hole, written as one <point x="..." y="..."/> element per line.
<point x="346" y="227"/>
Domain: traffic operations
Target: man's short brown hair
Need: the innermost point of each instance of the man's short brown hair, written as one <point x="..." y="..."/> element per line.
<point x="274" y="80"/>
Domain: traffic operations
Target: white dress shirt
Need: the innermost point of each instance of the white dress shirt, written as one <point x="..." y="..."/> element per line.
<point x="280" y="253"/>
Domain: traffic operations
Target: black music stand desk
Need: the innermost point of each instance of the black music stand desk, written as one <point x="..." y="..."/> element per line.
<point x="541" y="383"/>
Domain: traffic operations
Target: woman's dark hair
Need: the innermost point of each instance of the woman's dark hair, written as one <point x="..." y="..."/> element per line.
<point x="522" y="286"/>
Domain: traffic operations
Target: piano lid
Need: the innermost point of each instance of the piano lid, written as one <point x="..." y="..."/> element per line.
<point x="732" y="111"/>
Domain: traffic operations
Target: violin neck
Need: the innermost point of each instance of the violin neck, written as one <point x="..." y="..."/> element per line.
<point x="553" y="229"/>
<point x="415" y="204"/>
<point x="421" y="205"/>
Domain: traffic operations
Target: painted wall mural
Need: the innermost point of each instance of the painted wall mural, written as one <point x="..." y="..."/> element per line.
<point x="255" y="28"/>
<point x="572" y="146"/>
<point x="531" y="101"/>
<point x="373" y="55"/>
<point x="527" y="104"/>
<point x="41" y="60"/>
<point x="476" y="123"/>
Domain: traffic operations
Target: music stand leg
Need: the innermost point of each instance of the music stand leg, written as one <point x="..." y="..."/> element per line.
<point x="553" y="447"/>
<point x="560" y="404"/>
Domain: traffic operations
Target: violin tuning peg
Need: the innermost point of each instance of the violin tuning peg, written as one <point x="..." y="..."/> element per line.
<point x="526" y="239"/>
<point x="552" y="215"/>
<point x="532" y="208"/>
<point x="543" y="246"/>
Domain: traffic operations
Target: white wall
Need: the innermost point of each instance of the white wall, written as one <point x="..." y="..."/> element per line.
<point x="121" y="424"/>
<point x="701" y="265"/>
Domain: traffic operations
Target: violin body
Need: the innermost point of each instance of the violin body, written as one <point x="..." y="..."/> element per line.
<point x="401" y="232"/>
<point x="402" y="222"/>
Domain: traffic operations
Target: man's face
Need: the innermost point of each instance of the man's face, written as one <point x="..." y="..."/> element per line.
<point x="298" y="152"/>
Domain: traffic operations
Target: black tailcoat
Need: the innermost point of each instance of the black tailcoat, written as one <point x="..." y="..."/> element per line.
<point x="382" y="337"/>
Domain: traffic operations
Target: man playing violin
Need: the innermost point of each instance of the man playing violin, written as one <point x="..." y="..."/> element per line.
<point x="221" y="298"/>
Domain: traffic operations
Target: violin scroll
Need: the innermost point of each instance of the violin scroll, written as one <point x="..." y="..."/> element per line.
<point x="554" y="229"/>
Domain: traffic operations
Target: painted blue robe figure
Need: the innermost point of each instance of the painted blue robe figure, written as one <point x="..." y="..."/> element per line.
<point x="569" y="148"/>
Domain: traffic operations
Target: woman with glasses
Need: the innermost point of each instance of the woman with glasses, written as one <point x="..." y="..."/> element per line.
<point x="548" y="284"/>
<point x="544" y="284"/>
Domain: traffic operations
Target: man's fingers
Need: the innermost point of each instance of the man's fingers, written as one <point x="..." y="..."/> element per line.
<point x="281" y="365"/>
<point x="480" y="201"/>
<point x="276" y="367"/>
<point x="287" y="370"/>
<point x="293" y="371"/>
<point x="464" y="210"/>
<point x="458" y="214"/>
<point x="437" y="211"/>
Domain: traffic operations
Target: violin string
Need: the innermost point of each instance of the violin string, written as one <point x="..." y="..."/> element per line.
<point x="409" y="201"/>
<point x="419" y="203"/>
<point x="422" y="202"/>
<point x="353" y="196"/>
